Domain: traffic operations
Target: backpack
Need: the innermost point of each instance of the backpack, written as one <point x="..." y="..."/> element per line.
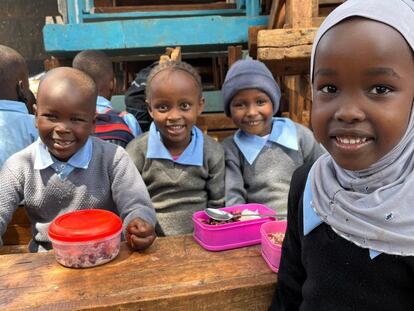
<point x="111" y="126"/>
<point x="135" y="98"/>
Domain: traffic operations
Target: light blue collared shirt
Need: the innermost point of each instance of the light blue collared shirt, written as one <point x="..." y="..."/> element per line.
<point x="81" y="159"/>
<point x="311" y="219"/>
<point x="283" y="133"/>
<point x="17" y="128"/>
<point x="102" y="103"/>
<point x="192" y="155"/>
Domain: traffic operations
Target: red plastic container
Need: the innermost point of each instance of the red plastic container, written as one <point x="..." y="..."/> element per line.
<point x="85" y="238"/>
<point x="230" y="235"/>
<point x="271" y="252"/>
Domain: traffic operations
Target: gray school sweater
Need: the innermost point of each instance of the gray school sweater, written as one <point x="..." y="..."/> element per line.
<point x="177" y="190"/>
<point x="111" y="182"/>
<point x="267" y="180"/>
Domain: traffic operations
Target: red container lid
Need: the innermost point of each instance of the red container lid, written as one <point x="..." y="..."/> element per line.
<point x="84" y="225"/>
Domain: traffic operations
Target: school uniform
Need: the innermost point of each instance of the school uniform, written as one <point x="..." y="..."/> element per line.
<point x="180" y="186"/>
<point x="321" y="270"/>
<point x="99" y="175"/>
<point x="259" y="169"/>
<point x="17" y="128"/>
<point x="349" y="244"/>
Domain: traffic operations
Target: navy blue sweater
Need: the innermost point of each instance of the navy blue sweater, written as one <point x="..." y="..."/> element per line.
<point x="322" y="271"/>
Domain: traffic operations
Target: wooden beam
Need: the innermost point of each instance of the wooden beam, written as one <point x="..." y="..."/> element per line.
<point x="280" y="44"/>
<point x="169" y="7"/>
<point x="315" y="8"/>
<point x="299" y="13"/>
<point x="234" y="54"/>
<point x="274" y="13"/>
<point x="252" y="42"/>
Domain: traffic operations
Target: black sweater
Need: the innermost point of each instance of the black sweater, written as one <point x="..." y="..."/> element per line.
<point x="322" y="271"/>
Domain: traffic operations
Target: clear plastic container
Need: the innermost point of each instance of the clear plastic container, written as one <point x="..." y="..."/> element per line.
<point x="86" y="238"/>
<point x="272" y="252"/>
<point x="230" y="235"/>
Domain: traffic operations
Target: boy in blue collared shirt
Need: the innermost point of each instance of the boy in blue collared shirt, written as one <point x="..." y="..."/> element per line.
<point x="263" y="154"/>
<point x="66" y="169"/>
<point x="99" y="67"/>
<point x="182" y="168"/>
<point x="17" y="127"/>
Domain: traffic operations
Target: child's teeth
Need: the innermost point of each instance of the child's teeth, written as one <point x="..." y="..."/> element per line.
<point x="351" y="140"/>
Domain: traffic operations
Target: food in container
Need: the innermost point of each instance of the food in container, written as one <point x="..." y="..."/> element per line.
<point x="272" y="235"/>
<point x="217" y="236"/>
<point x="86" y="238"/>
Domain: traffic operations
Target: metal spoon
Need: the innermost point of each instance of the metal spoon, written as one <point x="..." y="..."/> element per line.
<point x="218" y="214"/>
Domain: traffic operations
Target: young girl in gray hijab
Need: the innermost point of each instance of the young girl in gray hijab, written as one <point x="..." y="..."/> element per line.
<point x="350" y="238"/>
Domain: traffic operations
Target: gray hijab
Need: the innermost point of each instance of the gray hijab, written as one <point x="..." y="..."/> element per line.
<point x="373" y="208"/>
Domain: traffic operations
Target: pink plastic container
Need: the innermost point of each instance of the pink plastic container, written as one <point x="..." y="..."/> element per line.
<point x="271" y="252"/>
<point x="230" y="235"/>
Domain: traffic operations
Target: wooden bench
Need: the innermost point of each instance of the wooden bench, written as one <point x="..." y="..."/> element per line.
<point x="18" y="234"/>
<point x="217" y="125"/>
<point x="175" y="273"/>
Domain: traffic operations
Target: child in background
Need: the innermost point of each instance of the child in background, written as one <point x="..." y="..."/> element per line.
<point x="67" y="170"/>
<point x="350" y="238"/>
<point x="263" y="154"/>
<point x="17" y="127"/>
<point x="182" y="168"/>
<point x="99" y="67"/>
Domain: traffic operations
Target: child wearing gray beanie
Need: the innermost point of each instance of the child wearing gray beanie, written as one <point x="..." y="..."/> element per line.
<point x="265" y="151"/>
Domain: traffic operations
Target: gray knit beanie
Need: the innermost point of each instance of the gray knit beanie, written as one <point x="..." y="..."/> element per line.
<point x="249" y="74"/>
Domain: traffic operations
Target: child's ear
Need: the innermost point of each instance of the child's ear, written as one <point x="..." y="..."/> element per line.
<point x="201" y="105"/>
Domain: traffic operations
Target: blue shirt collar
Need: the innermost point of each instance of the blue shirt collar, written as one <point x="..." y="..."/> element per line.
<point x="102" y="102"/>
<point x="311" y="219"/>
<point x="283" y="133"/>
<point x="192" y="155"/>
<point x="13" y="105"/>
<point x="80" y="159"/>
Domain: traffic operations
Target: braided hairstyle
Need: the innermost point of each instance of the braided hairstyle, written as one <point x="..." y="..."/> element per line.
<point x="173" y="65"/>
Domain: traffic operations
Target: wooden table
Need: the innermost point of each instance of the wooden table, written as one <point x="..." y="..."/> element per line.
<point x="175" y="273"/>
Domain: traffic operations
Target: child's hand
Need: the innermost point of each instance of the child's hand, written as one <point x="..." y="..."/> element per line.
<point x="140" y="234"/>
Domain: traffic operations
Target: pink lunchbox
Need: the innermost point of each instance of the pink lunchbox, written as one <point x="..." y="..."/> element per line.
<point x="271" y="252"/>
<point x="230" y="235"/>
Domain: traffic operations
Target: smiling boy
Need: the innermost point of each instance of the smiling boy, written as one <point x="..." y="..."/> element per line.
<point x="67" y="169"/>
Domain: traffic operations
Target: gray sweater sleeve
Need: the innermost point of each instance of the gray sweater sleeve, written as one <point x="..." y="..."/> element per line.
<point x="136" y="150"/>
<point x="129" y="191"/>
<point x="235" y="190"/>
<point x="215" y="182"/>
<point x="310" y="148"/>
<point x="10" y="197"/>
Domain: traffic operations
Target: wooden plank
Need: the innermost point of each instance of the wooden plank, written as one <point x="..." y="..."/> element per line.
<point x="19" y="230"/>
<point x="234" y="54"/>
<point x="149" y="34"/>
<point x="169" y="7"/>
<point x="13" y="249"/>
<point x="17" y="234"/>
<point x="337" y="2"/>
<point x="277" y="14"/>
<point x="215" y="121"/>
<point x="315" y="8"/>
<point x="252" y="43"/>
<point x="175" y="273"/>
<point x="284" y="67"/>
<point x="299" y="13"/>
<point x="281" y="44"/>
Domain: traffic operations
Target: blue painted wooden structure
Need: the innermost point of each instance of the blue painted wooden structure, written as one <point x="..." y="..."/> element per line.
<point x="141" y="32"/>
